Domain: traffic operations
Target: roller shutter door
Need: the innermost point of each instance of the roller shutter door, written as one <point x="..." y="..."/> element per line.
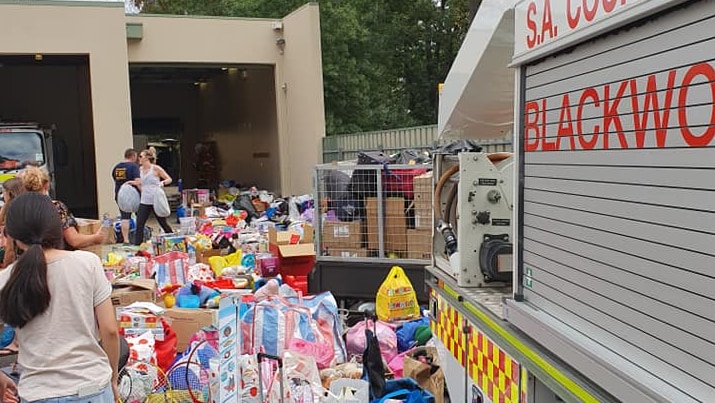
<point x="619" y="194"/>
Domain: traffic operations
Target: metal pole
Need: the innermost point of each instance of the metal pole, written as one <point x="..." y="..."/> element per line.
<point x="380" y="213"/>
<point x="317" y="210"/>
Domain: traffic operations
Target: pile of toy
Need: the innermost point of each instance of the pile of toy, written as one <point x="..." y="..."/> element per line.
<point x="227" y="314"/>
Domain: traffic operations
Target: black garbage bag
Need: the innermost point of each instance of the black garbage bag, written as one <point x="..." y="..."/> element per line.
<point x="459" y="146"/>
<point x="336" y="184"/>
<point x="364" y="181"/>
<point x="408" y="156"/>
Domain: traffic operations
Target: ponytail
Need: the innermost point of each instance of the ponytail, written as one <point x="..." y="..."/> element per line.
<point x="33" y="220"/>
<point x="27" y="293"/>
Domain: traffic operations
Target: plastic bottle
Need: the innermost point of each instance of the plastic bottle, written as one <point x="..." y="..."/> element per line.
<point x="106" y="220"/>
<point x="180" y="185"/>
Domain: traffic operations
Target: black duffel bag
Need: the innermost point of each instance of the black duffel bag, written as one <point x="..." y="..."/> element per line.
<point x="364" y="181"/>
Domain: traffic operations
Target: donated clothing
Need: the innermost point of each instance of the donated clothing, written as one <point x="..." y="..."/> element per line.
<point x="122" y="173"/>
<point x="150" y="186"/>
<point x="61" y="355"/>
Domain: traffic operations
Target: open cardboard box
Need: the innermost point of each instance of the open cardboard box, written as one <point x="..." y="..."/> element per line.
<point x="186" y="322"/>
<point x="137" y="290"/>
<point x="297" y="255"/>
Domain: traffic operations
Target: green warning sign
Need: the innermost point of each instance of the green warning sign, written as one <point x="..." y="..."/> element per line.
<point x="528" y="282"/>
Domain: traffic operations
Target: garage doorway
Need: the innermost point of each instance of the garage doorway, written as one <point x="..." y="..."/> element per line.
<point x="55" y="91"/>
<point x="222" y="119"/>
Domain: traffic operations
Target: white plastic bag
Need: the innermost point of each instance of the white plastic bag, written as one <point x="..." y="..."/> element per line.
<point x="128" y="198"/>
<point x="161" y="204"/>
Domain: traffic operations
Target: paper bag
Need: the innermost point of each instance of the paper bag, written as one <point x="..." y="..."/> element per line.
<point x="429" y="377"/>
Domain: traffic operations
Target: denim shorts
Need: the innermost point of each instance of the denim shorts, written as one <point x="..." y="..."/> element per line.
<point x="105" y="395"/>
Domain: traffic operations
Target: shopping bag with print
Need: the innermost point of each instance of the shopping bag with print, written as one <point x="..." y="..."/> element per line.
<point x="396" y="299"/>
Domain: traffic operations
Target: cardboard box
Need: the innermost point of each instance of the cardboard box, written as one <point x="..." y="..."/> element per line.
<point x="419" y="244"/>
<point x="194" y="196"/>
<point x="347" y="235"/>
<point x="347" y="253"/>
<point x="137" y="290"/>
<point x="86" y="226"/>
<point x="424" y="193"/>
<point x="276" y="237"/>
<point x="203" y="255"/>
<point x="186" y="322"/>
<point x="423" y="187"/>
<point x="297" y="255"/>
<point x="135" y="322"/>
<point x="424" y="214"/>
<point x="395" y="224"/>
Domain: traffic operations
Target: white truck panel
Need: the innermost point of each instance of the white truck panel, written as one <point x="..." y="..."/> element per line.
<point x="618" y="219"/>
<point x="470" y="106"/>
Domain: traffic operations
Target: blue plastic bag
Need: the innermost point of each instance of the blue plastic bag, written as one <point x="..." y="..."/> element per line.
<point x="407" y="390"/>
<point x="406" y="333"/>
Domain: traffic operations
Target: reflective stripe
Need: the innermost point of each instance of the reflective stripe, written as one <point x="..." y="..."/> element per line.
<point x="574" y="388"/>
<point x="4" y="177"/>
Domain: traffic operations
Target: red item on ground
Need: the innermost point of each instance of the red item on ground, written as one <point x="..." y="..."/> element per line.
<point x="298" y="283"/>
<point x="220" y="284"/>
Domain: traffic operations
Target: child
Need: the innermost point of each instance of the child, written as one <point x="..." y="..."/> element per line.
<point x="58" y="302"/>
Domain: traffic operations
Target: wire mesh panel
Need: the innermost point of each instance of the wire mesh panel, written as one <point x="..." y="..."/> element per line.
<point x="372" y="212"/>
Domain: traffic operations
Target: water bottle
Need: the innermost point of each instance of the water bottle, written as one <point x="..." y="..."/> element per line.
<point x="180" y="185"/>
<point x="106" y="220"/>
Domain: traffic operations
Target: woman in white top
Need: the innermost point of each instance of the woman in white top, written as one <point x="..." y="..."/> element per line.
<point x="59" y="303"/>
<point x="152" y="178"/>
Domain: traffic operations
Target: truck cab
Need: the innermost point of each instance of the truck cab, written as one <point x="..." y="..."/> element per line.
<point x="22" y="145"/>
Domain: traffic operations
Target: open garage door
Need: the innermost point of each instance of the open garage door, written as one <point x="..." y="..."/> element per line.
<point x="54" y="91"/>
<point x="209" y="123"/>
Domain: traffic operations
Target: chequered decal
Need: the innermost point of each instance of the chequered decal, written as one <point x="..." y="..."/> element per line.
<point x="491" y="369"/>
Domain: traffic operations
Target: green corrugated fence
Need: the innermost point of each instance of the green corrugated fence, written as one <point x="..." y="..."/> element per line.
<point x="347" y="146"/>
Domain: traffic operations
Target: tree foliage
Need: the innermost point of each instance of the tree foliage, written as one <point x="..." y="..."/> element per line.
<point x="382" y="59"/>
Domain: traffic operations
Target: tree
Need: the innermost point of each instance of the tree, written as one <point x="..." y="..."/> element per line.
<point x="382" y="59"/>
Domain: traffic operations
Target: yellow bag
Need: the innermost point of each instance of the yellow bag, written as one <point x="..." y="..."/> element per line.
<point x="218" y="263"/>
<point x="396" y="298"/>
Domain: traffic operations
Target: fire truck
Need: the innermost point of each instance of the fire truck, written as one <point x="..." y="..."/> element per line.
<point x="23" y="144"/>
<point x="580" y="267"/>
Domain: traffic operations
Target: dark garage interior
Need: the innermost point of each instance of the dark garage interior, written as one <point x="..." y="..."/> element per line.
<point x="55" y="90"/>
<point x="231" y="108"/>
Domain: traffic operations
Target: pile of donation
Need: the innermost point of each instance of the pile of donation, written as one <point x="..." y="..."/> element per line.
<point x="220" y="312"/>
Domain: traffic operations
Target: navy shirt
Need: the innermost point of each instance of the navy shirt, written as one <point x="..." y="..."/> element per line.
<point x="124" y="172"/>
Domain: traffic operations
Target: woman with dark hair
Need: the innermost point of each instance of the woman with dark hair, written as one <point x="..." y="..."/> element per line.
<point x="59" y="303"/>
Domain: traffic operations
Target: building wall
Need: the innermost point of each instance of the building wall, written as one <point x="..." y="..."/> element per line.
<point x="96" y="29"/>
<point x="301" y="109"/>
<point x="299" y="117"/>
<point x="180" y="39"/>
